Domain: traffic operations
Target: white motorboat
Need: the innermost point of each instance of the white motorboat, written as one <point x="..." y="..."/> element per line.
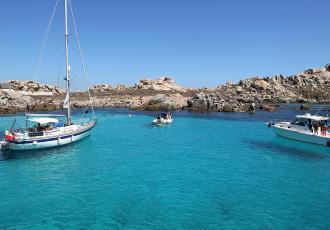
<point x="306" y="128"/>
<point x="50" y="130"/>
<point x="163" y="118"/>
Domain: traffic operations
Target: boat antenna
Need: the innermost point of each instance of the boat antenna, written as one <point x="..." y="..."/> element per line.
<point x="82" y="60"/>
<point x="67" y="66"/>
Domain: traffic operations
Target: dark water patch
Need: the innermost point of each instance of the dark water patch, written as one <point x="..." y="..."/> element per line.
<point x="306" y="151"/>
<point x="285" y="112"/>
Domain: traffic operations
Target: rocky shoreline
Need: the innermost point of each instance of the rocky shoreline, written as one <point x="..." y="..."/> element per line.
<point x="249" y="95"/>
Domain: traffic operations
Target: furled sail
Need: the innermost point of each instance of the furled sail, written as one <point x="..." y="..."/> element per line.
<point x="66" y="102"/>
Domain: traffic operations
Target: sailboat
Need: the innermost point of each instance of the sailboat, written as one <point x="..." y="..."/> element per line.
<point x="51" y="130"/>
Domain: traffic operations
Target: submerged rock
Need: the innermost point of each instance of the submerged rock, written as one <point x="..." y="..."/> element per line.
<point x="304" y="107"/>
<point x="268" y="108"/>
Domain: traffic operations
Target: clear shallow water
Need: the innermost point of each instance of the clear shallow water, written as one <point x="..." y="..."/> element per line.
<point x="205" y="171"/>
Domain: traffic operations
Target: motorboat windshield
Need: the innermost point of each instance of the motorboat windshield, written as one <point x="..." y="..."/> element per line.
<point x="300" y="122"/>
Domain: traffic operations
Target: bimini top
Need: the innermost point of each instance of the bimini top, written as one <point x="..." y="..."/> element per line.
<point x="43" y="115"/>
<point x="312" y="117"/>
<point x="43" y="120"/>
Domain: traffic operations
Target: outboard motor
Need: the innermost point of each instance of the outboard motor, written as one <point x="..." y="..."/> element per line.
<point x="270" y="124"/>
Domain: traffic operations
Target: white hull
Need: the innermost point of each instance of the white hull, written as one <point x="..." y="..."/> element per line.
<point x="49" y="141"/>
<point x="300" y="136"/>
<point x="163" y="121"/>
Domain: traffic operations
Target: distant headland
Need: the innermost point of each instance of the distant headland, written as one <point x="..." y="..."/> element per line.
<point x="249" y="95"/>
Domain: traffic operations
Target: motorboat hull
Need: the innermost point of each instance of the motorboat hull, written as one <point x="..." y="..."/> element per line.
<point x="304" y="137"/>
<point x="163" y="121"/>
<point x="49" y="142"/>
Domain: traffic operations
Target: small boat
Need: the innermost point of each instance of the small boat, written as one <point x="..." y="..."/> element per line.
<point x="50" y="130"/>
<point x="163" y="118"/>
<point x="306" y="128"/>
<point x="44" y="131"/>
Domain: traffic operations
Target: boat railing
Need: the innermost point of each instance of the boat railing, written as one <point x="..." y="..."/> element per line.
<point x="277" y="120"/>
<point x="34" y="133"/>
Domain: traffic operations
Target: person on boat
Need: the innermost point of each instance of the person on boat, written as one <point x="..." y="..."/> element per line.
<point x="159" y="121"/>
<point x="310" y="126"/>
<point x="323" y="130"/>
<point x="49" y="127"/>
<point x="39" y="128"/>
<point x="319" y="128"/>
<point x="315" y="127"/>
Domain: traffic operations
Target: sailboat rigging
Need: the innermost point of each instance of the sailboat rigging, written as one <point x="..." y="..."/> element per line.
<point x="49" y="130"/>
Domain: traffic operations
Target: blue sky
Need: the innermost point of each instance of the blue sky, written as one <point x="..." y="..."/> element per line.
<point x="198" y="43"/>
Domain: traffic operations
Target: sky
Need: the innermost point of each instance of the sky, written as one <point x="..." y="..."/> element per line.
<point x="198" y="43"/>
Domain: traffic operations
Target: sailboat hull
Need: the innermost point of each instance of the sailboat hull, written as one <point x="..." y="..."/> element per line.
<point x="49" y="142"/>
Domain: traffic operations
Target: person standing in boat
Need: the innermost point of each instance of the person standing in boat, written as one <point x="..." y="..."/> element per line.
<point x="315" y="128"/>
<point x="159" y="121"/>
<point x="323" y="130"/>
<point x="310" y="125"/>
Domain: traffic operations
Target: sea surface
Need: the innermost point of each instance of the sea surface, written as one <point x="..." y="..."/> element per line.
<point x="204" y="171"/>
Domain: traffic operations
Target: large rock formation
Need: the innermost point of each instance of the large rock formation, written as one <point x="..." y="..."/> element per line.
<point x="310" y="86"/>
<point x="202" y="102"/>
<point x="163" y="102"/>
<point x="32" y="86"/>
<point x="162" y="84"/>
<point x="120" y="87"/>
<point x="14" y="99"/>
<point x="101" y="88"/>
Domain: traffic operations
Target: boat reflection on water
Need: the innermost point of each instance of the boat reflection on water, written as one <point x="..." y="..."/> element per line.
<point x="287" y="147"/>
<point x="6" y="154"/>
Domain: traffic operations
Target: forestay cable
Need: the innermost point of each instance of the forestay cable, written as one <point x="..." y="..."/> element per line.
<point x="81" y="58"/>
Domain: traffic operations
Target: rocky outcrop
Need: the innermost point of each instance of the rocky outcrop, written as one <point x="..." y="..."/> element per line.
<point x="249" y="95"/>
<point x="268" y="108"/>
<point x="161" y="84"/>
<point x="32" y="86"/>
<point x="304" y="107"/>
<point x="101" y="88"/>
<point x="162" y="102"/>
<point x="17" y="101"/>
<point x="202" y="102"/>
<point x="310" y="86"/>
<point x="120" y="87"/>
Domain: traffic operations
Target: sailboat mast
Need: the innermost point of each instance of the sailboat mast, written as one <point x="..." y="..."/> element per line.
<point x="67" y="66"/>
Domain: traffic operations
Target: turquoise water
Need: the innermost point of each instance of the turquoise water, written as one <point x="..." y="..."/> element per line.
<point x="205" y="171"/>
